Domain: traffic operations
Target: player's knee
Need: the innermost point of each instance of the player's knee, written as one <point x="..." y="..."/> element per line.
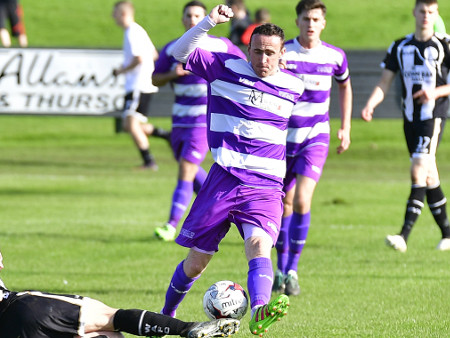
<point x="287" y="208"/>
<point x="302" y="205"/>
<point x="432" y="181"/>
<point x="194" y="266"/>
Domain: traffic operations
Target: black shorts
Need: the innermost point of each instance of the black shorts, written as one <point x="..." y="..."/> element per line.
<point x="423" y="137"/>
<point x="13" y="12"/>
<point x="139" y="102"/>
<point x="42" y="315"/>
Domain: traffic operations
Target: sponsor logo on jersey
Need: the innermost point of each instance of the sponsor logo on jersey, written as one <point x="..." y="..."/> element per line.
<point x="247" y="82"/>
<point x="286" y="95"/>
<point x="308" y="81"/>
<point x="265" y="102"/>
<point x="417" y="74"/>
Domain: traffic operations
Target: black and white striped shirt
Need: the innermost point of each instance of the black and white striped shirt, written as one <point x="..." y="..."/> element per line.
<point x="422" y="65"/>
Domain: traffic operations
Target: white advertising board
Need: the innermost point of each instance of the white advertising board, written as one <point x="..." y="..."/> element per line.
<point x="60" y="81"/>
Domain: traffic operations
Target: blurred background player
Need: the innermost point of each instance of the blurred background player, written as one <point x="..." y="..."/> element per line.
<point x="423" y="60"/>
<point x="188" y="136"/>
<point x="12" y="11"/>
<point x="249" y="105"/>
<point x="308" y="140"/>
<point x="262" y="15"/>
<point x="139" y="55"/>
<point x="240" y="21"/>
<point x="41" y="314"/>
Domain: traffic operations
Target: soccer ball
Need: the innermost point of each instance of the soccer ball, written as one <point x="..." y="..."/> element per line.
<point x="225" y="299"/>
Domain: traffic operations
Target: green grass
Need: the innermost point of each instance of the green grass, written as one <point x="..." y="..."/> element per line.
<point x="77" y="218"/>
<point x="351" y="24"/>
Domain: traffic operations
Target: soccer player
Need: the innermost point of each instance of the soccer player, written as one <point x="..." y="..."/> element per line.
<point x="308" y="140"/>
<point x="423" y="60"/>
<point x="240" y="21"/>
<point x="12" y="11"/>
<point x="188" y="137"/>
<point x="139" y="55"/>
<point x="39" y="315"/>
<point x="249" y="105"/>
<point x="262" y="15"/>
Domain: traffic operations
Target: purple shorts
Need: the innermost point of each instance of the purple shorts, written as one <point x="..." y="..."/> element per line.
<point x="189" y="144"/>
<point x="222" y="201"/>
<point x="308" y="163"/>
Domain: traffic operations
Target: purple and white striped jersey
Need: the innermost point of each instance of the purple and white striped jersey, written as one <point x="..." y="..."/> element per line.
<point x="247" y="116"/>
<point x="309" y="123"/>
<point x="189" y="109"/>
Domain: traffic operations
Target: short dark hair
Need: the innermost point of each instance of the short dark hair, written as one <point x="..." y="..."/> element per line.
<point x="125" y="4"/>
<point x="262" y="15"/>
<point x="307" y="5"/>
<point x="194" y="3"/>
<point x="269" y="29"/>
<point x="427" y="2"/>
<point x="238" y="3"/>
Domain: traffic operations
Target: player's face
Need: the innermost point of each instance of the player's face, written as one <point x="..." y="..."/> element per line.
<point x="192" y="16"/>
<point x="425" y="15"/>
<point x="118" y="16"/>
<point x="264" y="53"/>
<point x="311" y="24"/>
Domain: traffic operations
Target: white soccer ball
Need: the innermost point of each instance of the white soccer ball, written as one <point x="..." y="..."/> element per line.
<point x="225" y="299"/>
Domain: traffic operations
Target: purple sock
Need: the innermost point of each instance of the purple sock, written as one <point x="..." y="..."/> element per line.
<point x="282" y="244"/>
<point x="199" y="179"/>
<point x="298" y="231"/>
<point x="260" y="279"/>
<point x="180" y="201"/>
<point x="178" y="288"/>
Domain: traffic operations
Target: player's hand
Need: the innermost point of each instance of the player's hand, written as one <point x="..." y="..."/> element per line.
<point x="221" y="14"/>
<point x="180" y="71"/>
<point x="344" y="136"/>
<point x="367" y="114"/>
<point x="424" y="96"/>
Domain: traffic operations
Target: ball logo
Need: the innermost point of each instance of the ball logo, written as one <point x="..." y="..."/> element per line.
<point x="230" y="303"/>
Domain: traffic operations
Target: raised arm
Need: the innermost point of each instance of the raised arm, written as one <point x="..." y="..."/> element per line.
<point x="378" y="94"/>
<point x="190" y="40"/>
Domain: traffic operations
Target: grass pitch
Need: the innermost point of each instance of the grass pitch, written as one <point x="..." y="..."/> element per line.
<point x="351" y="24"/>
<point x="76" y="217"/>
